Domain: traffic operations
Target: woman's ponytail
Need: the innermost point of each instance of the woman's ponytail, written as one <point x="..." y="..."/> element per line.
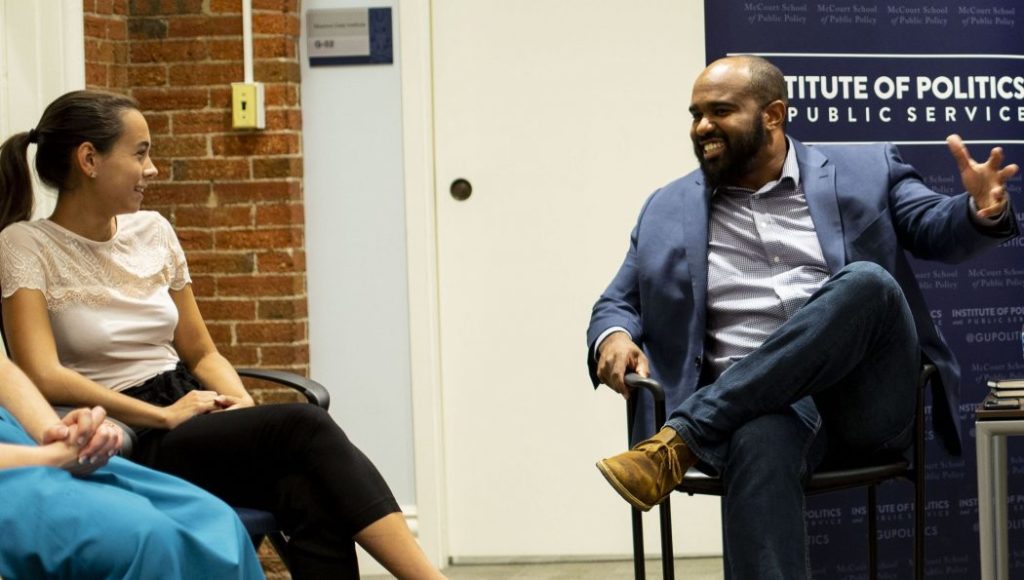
<point x="16" y="197"/>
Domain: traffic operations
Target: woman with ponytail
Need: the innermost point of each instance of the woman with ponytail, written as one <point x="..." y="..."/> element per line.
<point x="70" y="509"/>
<point x="99" y="310"/>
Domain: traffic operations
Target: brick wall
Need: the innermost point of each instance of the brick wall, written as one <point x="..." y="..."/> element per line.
<point x="235" y="198"/>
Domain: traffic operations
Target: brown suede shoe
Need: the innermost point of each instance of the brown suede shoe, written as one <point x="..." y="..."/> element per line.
<point x="646" y="474"/>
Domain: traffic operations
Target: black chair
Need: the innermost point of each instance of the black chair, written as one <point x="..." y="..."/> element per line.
<point x="262" y="524"/>
<point x="827" y="480"/>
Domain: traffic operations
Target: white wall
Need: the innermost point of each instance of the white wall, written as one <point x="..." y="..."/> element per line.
<point x="355" y="247"/>
<point x="42" y="56"/>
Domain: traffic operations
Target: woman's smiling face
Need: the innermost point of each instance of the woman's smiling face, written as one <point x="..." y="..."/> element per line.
<point x="122" y="173"/>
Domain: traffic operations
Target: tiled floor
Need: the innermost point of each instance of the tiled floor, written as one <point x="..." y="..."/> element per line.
<point x="689" y="568"/>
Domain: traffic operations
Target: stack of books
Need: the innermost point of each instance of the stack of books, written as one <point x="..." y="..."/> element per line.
<point x="1005" y="394"/>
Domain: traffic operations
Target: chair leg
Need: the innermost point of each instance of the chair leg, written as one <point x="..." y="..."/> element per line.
<point x="280" y="543"/>
<point x="668" y="570"/>
<point x="667" y="557"/>
<point x="927" y="374"/>
<point x="639" y="571"/>
<point x="919" y="522"/>
<point x="872" y="533"/>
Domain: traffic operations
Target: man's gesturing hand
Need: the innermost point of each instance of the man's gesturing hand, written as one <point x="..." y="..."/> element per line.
<point x="986" y="182"/>
<point x="618" y="355"/>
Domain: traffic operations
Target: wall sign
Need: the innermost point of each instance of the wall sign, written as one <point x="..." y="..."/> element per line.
<point x="348" y="36"/>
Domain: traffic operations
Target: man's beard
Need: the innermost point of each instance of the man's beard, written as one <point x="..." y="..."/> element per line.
<point x="736" y="160"/>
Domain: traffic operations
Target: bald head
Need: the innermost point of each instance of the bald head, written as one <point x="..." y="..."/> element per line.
<point x="765" y="82"/>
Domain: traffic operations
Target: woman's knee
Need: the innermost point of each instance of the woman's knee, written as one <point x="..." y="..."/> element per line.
<point x="310" y="420"/>
<point x="150" y="538"/>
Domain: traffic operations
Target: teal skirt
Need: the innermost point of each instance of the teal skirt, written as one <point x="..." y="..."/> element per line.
<point x="122" y="521"/>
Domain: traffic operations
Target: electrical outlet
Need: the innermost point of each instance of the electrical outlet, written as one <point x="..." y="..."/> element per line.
<point x="247" y="106"/>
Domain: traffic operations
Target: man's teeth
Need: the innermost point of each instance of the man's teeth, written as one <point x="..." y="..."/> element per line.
<point x="713" y="147"/>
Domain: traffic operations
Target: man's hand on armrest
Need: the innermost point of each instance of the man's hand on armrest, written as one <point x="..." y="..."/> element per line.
<point x="617" y="355"/>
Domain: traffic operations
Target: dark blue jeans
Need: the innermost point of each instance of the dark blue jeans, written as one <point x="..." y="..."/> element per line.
<point x="836" y="380"/>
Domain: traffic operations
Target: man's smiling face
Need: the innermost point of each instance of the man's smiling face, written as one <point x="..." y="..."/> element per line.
<point x="728" y="130"/>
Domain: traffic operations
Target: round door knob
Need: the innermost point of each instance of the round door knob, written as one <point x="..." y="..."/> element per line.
<point x="461" y="189"/>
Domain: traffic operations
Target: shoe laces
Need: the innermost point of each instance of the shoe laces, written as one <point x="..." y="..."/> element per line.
<point x="671" y="462"/>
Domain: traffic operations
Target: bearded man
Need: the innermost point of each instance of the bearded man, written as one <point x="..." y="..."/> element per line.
<point x="770" y="294"/>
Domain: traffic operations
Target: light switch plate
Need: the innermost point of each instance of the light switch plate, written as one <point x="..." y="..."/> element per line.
<point x="247" y="111"/>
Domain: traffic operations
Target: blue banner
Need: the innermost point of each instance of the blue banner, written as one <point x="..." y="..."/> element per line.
<point x="911" y="73"/>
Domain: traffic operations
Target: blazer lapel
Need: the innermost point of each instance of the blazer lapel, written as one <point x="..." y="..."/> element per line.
<point x="695" y="239"/>
<point x="819" y="182"/>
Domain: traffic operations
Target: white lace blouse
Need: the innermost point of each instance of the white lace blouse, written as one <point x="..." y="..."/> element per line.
<point x="113" y="319"/>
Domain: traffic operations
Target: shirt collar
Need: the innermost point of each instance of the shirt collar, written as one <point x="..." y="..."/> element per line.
<point x="790" y="170"/>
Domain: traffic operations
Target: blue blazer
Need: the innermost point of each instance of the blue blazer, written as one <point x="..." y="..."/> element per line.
<point x="866" y="204"/>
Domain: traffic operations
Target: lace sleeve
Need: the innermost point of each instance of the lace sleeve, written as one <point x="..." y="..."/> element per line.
<point x="21" y="264"/>
<point x="179" y="267"/>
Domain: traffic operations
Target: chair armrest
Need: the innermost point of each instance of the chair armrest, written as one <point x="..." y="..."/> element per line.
<point x="314" y="392"/>
<point x="635" y="381"/>
<point x="131" y="438"/>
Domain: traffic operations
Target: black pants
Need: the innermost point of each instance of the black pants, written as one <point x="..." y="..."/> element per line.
<point x="292" y="460"/>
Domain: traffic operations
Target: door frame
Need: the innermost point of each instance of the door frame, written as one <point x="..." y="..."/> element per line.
<point x="415" y="30"/>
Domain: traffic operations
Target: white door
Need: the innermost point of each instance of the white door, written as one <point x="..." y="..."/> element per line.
<point x="562" y="116"/>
